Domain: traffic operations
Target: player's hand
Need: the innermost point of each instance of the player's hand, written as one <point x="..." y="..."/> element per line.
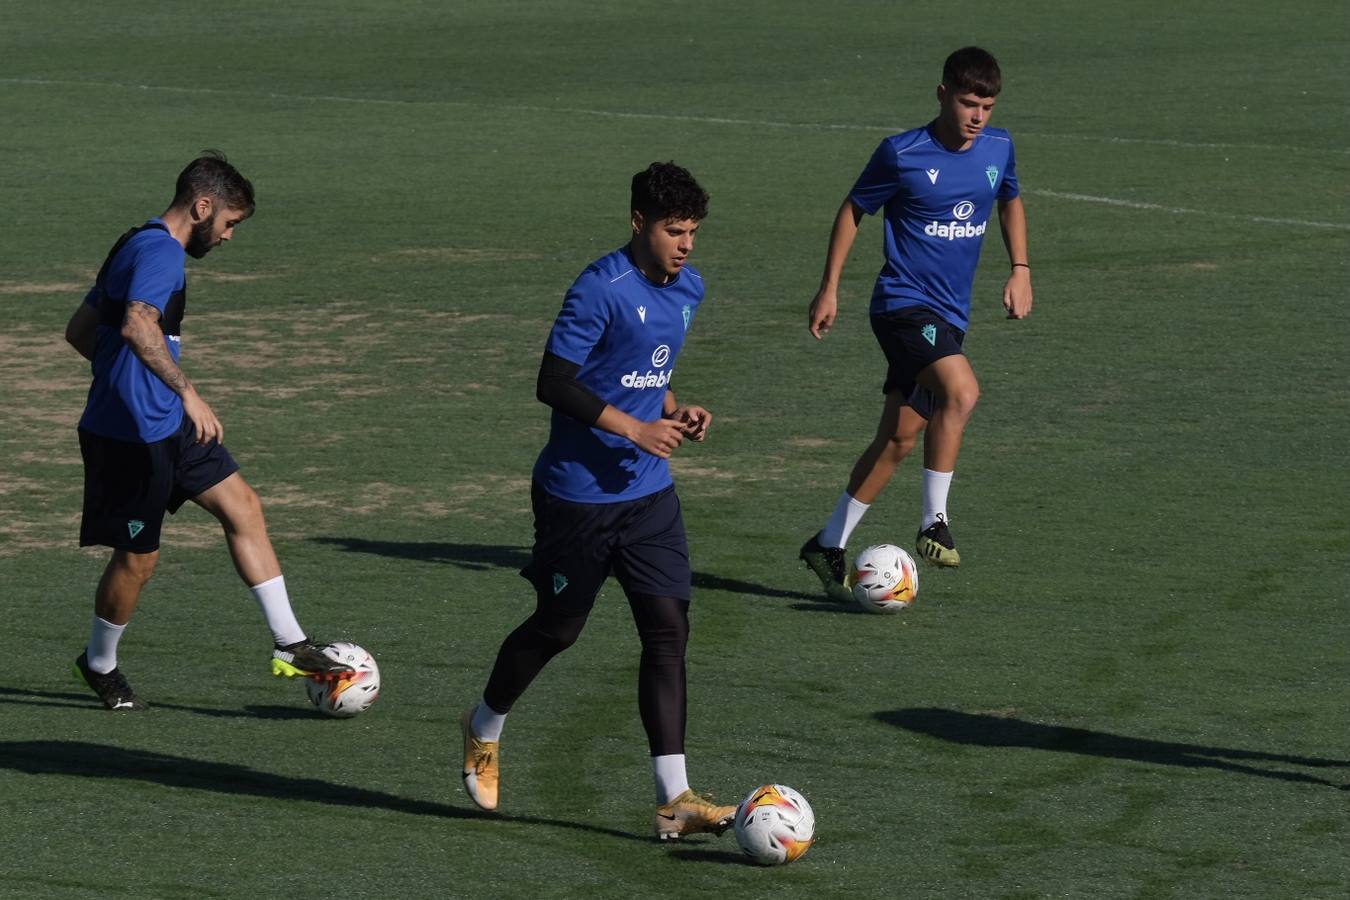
<point x="205" y="426"/>
<point x="694" y="419"/>
<point x="660" y="438"/>
<point x="1017" y="293"/>
<point x="820" y="317"/>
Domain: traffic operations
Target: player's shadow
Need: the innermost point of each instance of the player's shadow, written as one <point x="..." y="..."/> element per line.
<point x="73" y="700"/>
<point x="829" y="606"/>
<point x="722" y="857"/>
<point x="996" y="731"/>
<point x="481" y="557"/>
<point x="475" y="557"/>
<point x="103" y="761"/>
<point x="705" y="582"/>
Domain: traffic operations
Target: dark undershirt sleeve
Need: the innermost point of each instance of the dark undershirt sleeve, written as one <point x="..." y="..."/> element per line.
<point x="558" y="387"/>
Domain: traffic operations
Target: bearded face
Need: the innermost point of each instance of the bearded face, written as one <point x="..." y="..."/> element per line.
<point x="203" y="237"/>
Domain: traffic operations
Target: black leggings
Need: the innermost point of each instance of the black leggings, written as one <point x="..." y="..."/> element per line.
<point x="663" y="626"/>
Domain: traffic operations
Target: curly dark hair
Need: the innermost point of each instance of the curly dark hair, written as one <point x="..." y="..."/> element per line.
<point x="664" y="190"/>
<point x="971" y="70"/>
<point x="211" y="175"/>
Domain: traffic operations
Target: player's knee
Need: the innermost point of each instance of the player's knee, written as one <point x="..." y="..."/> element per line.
<point x="244" y="510"/>
<point x="139" y="566"/>
<point x="898" y="446"/>
<point x="962" y="400"/>
<point x="251" y="503"/>
<point x="554" y="635"/>
<point x="664" y="629"/>
<point x="555" y="642"/>
<point x="665" y="643"/>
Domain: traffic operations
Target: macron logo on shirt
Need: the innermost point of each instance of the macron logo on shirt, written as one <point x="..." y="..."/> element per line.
<point x="642" y="314"/>
<point x="932" y="176"/>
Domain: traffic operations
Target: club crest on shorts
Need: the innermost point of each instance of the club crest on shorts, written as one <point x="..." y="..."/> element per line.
<point x="930" y="334"/>
<point x="992" y="172"/>
<point x="559" y="583"/>
<point x="135" y="527"/>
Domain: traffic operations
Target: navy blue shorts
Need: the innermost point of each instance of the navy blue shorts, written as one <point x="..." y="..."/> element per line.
<point x="913" y="339"/>
<point x="128" y="486"/>
<point x="578" y="545"/>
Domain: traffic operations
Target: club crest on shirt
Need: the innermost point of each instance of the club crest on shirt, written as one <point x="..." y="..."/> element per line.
<point x="992" y="172"/>
<point x="688" y="312"/>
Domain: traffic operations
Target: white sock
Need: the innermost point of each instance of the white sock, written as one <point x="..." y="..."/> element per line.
<point x="847" y="514"/>
<point x="487" y="723"/>
<point x="671" y="779"/>
<point x="935" y="487"/>
<point x="276" y="609"/>
<point x="102" y="649"/>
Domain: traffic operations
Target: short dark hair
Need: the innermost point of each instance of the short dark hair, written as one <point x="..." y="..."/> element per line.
<point x="211" y="175"/>
<point x="971" y="70"/>
<point x="664" y="190"/>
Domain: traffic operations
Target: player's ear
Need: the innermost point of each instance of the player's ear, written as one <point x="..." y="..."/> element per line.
<point x="941" y="94"/>
<point x="637" y="222"/>
<point x="201" y="209"/>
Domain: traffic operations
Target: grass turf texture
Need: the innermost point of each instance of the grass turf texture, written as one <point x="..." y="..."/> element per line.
<point x="1136" y="685"/>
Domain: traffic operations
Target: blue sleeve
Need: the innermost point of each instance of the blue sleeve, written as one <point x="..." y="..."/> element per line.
<point x="581" y="322"/>
<point x="879" y="181"/>
<point x="91" y="298"/>
<point x="1008" y="189"/>
<point x="156" y="272"/>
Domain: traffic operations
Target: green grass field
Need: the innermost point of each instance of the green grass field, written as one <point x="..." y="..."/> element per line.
<point x="1136" y="685"/>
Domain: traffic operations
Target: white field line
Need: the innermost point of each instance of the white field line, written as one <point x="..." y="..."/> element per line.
<point x="1185" y="211"/>
<point x="660" y="117"/>
<point x="755" y="123"/>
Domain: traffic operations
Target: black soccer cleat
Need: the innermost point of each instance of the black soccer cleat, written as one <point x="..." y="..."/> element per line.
<point x="307" y="659"/>
<point x="828" y="564"/>
<point x="935" y="544"/>
<point x="111" y="687"/>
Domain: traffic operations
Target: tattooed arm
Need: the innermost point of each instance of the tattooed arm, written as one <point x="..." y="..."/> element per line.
<point x="140" y="330"/>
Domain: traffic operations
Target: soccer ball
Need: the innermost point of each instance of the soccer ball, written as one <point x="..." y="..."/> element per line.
<point x="775" y="825"/>
<point x="345" y="697"/>
<point x="885" y="579"/>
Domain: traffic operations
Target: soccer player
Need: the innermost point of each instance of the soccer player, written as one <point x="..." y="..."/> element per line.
<point x="937" y="186"/>
<point x="150" y="442"/>
<point x="602" y="493"/>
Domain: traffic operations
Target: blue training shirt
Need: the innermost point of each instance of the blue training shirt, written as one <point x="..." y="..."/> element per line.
<point x="128" y="402"/>
<point x="625" y="332"/>
<point x="938" y="204"/>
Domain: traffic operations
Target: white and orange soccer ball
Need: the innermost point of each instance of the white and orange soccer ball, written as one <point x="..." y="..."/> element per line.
<point x="775" y="825"/>
<point x="352" y="694"/>
<point x="885" y="579"/>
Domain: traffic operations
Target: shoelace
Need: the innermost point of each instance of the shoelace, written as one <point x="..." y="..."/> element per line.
<point x="481" y="760"/>
<point x="482" y="757"/>
<point x="704" y="804"/>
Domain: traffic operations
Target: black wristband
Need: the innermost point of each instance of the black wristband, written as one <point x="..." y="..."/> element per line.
<point x="1023" y="265"/>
